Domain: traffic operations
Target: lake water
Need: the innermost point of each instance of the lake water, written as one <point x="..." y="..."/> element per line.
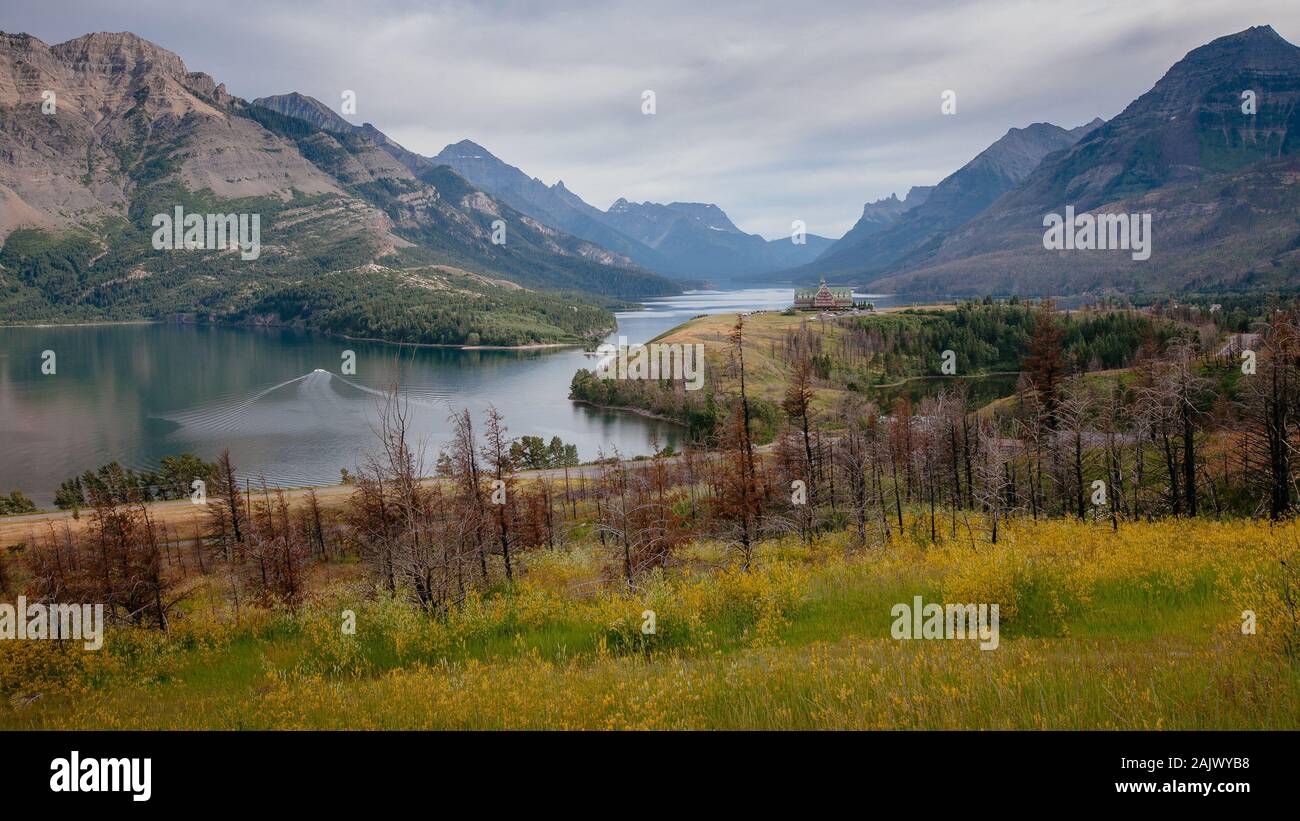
<point x="277" y="400"/>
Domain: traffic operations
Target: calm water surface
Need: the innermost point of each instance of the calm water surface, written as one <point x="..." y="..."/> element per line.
<point x="277" y="400"/>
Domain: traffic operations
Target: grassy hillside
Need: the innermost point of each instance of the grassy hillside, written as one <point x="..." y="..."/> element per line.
<point x="1139" y="629"/>
<point x="897" y="353"/>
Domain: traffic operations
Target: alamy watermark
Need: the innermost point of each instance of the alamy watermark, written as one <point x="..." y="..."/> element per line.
<point x="946" y="621"/>
<point x="51" y="622"/>
<point x="212" y="232"/>
<point x="658" y="360"/>
<point x="77" y="774"/>
<point x="1100" y="232"/>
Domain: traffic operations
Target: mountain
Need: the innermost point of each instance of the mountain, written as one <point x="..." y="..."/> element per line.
<point x="1220" y="183"/>
<point x="699" y="240"/>
<point x="552" y="205"/>
<point x="885" y="240"/>
<point x="783" y="254"/>
<point x="876" y="217"/>
<point x="316" y="113"/>
<point x="308" y="109"/>
<point x="687" y="240"/>
<point x="133" y="134"/>
<point x="431" y="170"/>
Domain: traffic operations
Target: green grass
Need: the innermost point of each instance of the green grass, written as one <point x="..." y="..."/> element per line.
<point x="1108" y="639"/>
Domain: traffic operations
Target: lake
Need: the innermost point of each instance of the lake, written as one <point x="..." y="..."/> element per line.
<point x="276" y="397"/>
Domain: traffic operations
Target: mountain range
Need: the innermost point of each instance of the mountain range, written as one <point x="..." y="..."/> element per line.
<point x="695" y="241"/>
<point x="365" y="237"/>
<point x="101" y="133"/>
<point x="681" y="239"/>
<point x="1217" y="176"/>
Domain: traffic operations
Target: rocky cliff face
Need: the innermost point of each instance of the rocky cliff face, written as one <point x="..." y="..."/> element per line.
<point x="125" y="111"/>
<point x="876" y="217"/>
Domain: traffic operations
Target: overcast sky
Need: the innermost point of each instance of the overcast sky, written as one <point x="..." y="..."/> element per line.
<point x="774" y="111"/>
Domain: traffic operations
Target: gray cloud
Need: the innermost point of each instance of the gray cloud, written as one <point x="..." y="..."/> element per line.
<point x="775" y="111"/>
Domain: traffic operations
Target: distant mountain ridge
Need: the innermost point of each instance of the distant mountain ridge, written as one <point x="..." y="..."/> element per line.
<point x="553" y="205"/>
<point x="687" y="240"/>
<point x="876" y="217"/>
<point x="698" y="239"/>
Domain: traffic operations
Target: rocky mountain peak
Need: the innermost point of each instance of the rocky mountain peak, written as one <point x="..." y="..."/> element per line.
<point x="1256" y="54"/>
<point x="706" y="213"/>
<point x="118" y="52"/>
<point x="1080" y="130"/>
<point x="1020" y="150"/>
<point x="467" y="149"/>
<point x="308" y="109"/>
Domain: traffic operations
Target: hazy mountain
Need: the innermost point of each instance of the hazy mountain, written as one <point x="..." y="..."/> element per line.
<point x="688" y="240"/>
<point x="431" y="201"/>
<point x="882" y="243"/>
<point x="699" y="240"/>
<point x="878" y="216"/>
<point x="553" y="205"/>
<point x="1219" y="183"/>
<point x="133" y="134"/>
<point x="784" y="253"/>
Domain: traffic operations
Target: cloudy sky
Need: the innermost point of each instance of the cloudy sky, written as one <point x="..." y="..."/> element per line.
<point x="774" y="111"/>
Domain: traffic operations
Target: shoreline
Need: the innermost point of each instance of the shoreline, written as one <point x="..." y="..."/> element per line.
<point x="529" y="347"/>
<point x="81" y="324"/>
<point x="532" y="346"/>
<point x="630" y="409"/>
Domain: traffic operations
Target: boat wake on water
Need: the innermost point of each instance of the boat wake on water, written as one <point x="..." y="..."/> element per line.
<point x="316" y="400"/>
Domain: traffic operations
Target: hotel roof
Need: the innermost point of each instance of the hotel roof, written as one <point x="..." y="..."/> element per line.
<point x="809" y="293"/>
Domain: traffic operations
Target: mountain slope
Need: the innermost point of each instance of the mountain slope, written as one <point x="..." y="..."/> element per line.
<point x="959" y="197"/>
<point x="309" y="109"/>
<point x="536" y="234"/>
<point x="436" y="209"/>
<point x="127" y="113"/>
<point x="1222" y="187"/>
<point x="876" y="217"/>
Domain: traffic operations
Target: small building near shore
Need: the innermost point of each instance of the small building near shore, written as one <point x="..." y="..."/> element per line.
<point x="823" y="298"/>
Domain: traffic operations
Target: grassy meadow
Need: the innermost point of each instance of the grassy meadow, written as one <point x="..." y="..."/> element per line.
<point x="1140" y="628"/>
